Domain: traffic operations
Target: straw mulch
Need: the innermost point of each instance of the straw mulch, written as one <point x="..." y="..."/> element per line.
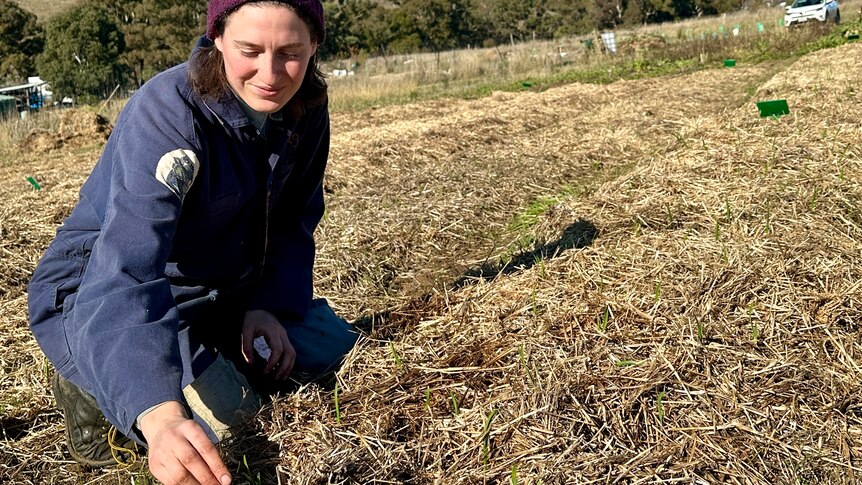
<point x="687" y="310"/>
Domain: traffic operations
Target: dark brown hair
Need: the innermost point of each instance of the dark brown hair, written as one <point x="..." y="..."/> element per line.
<point x="208" y="78"/>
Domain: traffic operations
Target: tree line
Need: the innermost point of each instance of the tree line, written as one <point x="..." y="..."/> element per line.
<point x="98" y="44"/>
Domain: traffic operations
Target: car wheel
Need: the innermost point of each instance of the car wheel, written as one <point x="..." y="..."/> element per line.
<point x="837" y="17"/>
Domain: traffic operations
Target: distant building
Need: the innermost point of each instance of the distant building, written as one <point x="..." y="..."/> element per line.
<point x="24" y="97"/>
<point x="8" y="106"/>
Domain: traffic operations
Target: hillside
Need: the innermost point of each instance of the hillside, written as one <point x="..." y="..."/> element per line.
<point x="45" y="9"/>
<point x="641" y="282"/>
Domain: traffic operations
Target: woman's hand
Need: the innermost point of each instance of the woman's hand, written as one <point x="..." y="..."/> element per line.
<point x="260" y="323"/>
<point x="180" y="452"/>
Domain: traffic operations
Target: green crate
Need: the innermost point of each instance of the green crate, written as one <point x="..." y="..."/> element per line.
<point x="729" y="62"/>
<point x="776" y="107"/>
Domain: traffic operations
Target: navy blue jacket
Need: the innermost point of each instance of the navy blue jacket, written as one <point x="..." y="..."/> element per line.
<point x="186" y="200"/>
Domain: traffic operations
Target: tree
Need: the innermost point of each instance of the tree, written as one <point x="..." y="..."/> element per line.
<point x="355" y="25"/>
<point x="158" y="33"/>
<point x="21" y="39"/>
<point x="82" y="53"/>
<point x="517" y="18"/>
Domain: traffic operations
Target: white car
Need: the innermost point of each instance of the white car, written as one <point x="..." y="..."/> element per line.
<point x="802" y="11"/>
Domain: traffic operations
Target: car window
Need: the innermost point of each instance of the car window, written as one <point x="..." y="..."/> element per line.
<point x="806" y="3"/>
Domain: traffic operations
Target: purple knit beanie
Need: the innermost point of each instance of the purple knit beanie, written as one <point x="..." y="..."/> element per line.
<point x="310" y="10"/>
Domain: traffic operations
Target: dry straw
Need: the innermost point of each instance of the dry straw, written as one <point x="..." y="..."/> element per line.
<point x="688" y="311"/>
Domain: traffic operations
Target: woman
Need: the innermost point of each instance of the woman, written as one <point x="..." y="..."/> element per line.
<point x="180" y="284"/>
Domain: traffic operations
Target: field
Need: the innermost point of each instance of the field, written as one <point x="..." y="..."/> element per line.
<point x="45" y="9"/>
<point x="634" y="282"/>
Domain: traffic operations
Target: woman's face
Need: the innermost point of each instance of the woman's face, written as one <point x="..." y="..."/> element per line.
<point x="266" y="49"/>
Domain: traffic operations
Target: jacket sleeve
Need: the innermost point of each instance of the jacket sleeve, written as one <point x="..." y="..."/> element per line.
<point x="125" y="321"/>
<point x="285" y="288"/>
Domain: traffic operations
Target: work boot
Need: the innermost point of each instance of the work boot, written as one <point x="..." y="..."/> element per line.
<point x="91" y="439"/>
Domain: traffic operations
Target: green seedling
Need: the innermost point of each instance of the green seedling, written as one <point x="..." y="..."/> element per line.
<point x="533" y="302"/>
<point x="337" y="407"/>
<point x="540" y="262"/>
<point x="428" y="399"/>
<point x="717" y="230"/>
<point x="46" y="368"/>
<point x="754" y="328"/>
<point x="395" y="355"/>
<point x="627" y="363"/>
<point x="514" y="475"/>
<point x="659" y="408"/>
<point x="657" y="291"/>
<point x="679" y="138"/>
<point x="455" y="410"/>
<point x="486" y="438"/>
<point x="813" y="199"/>
<point x="252" y="478"/>
<point x="603" y="318"/>
<point x="525" y="365"/>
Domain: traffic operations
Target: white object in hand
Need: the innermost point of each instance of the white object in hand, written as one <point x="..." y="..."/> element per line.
<point x="262" y="348"/>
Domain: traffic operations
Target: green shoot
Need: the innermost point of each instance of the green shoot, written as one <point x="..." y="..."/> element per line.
<point x="813" y="199"/>
<point x="541" y="263"/>
<point x="637" y="228"/>
<point x="428" y="399"/>
<point x="514" y="476"/>
<point x="754" y="328"/>
<point x="533" y="302"/>
<point x="717" y="230"/>
<point x="657" y="291"/>
<point x="727" y="212"/>
<point x="486" y="438"/>
<point x="525" y="365"/>
<point x="46" y="368"/>
<point x="337" y="407"/>
<point x="603" y="318"/>
<point x="253" y="479"/>
<point x="627" y="363"/>
<point x="659" y="407"/>
<point x="455" y="410"/>
<point x="395" y="355"/>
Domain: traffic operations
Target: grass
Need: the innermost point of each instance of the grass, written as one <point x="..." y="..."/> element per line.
<point x="536" y="66"/>
<point x="674" y="49"/>
<point x="665" y="354"/>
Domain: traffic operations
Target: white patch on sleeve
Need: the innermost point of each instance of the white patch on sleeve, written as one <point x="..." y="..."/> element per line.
<point x="177" y="170"/>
